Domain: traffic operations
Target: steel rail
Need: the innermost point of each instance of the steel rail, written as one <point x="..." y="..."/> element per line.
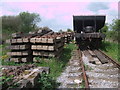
<point x="83" y="71"/>
<point x="109" y="58"/>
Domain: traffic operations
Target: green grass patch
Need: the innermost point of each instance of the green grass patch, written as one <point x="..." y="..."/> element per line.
<point x="111" y="49"/>
<point x="3" y="52"/>
<point x="3" y="49"/>
<point x="57" y="65"/>
<point x="12" y="63"/>
<point x="87" y="67"/>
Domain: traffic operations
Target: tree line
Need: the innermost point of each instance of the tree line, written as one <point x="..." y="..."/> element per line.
<point x="24" y="22"/>
<point x="112" y="31"/>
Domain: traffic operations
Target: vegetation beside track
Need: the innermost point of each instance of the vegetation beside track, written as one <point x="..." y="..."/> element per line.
<point x="56" y="64"/>
<point x="111" y="49"/>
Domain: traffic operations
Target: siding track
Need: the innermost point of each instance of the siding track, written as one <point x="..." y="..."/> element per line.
<point x="90" y="69"/>
<point x="102" y="71"/>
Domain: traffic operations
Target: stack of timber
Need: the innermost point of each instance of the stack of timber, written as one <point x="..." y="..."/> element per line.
<point x="69" y="36"/>
<point x="47" y="45"/>
<point x="21" y="46"/>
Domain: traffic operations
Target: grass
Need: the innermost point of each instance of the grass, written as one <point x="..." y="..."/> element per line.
<point x="111" y="49"/>
<point x="3" y="50"/>
<point x="46" y="82"/>
<point x="87" y="67"/>
<point x="56" y="65"/>
<point x="82" y="84"/>
<point x="12" y="63"/>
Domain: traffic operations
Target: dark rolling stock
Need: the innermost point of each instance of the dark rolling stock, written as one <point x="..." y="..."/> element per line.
<point x="88" y="30"/>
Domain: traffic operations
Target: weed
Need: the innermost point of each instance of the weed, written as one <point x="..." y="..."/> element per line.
<point x="111" y="49"/>
<point x="57" y="65"/>
<point x="87" y="67"/>
<point x="47" y="82"/>
<point x="38" y="59"/>
<point x="82" y="84"/>
<point x="7" y="82"/>
<point x="5" y="79"/>
<point x="4" y="57"/>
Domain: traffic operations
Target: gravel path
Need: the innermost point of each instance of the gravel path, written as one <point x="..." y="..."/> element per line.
<point x="72" y="75"/>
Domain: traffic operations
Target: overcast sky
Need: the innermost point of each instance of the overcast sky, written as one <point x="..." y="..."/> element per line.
<point x="58" y="14"/>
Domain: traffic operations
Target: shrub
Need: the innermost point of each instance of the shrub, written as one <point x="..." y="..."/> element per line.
<point x="47" y="82"/>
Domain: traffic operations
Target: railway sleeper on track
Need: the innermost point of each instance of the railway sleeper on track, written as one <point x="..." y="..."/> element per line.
<point x="104" y="75"/>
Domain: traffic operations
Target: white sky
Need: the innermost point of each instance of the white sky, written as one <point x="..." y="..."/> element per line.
<point x="57" y="14"/>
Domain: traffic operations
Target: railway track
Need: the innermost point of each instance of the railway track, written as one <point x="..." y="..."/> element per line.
<point x="90" y="69"/>
<point x="101" y="70"/>
<point x="74" y="75"/>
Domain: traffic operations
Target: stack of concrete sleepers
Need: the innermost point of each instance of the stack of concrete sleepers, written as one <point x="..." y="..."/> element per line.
<point x="47" y="45"/>
<point x="69" y="36"/>
<point x="21" y="46"/>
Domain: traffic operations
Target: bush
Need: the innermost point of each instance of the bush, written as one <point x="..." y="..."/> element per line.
<point x="113" y="35"/>
<point x="47" y="82"/>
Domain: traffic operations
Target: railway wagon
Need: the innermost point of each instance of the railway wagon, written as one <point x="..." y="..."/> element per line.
<point x="88" y="30"/>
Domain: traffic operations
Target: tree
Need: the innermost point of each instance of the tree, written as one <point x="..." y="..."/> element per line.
<point x="115" y="30"/>
<point x="24" y="22"/>
<point x="115" y="26"/>
<point x="60" y="31"/>
<point x="69" y="30"/>
<point x="29" y="21"/>
<point x="105" y="29"/>
<point x="10" y="23"/>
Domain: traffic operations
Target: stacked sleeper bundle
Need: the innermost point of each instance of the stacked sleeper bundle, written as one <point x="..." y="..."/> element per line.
<point x="44" y="43"/>
<point x="47" y="45"/>
<point x="21" y="47"/>
<point x="69" y="36"/>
